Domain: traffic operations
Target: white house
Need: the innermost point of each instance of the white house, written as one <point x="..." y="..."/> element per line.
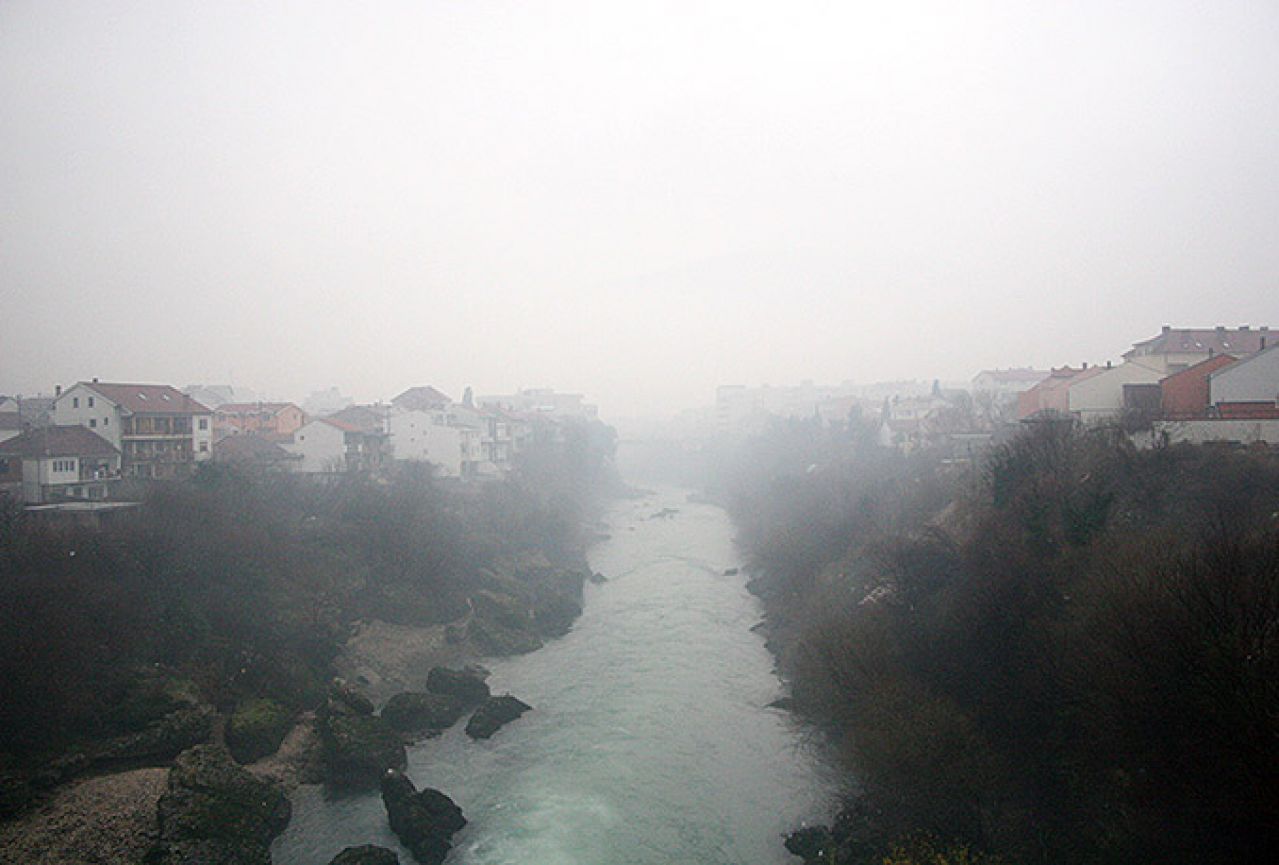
<point x="321" y="446"/>
<point x="1101" y="395"/>
<point x="1253" y="379"/>
<point x="159" y="431"/>
<point x="417" y="436"/>
<point x="54" y="464"/>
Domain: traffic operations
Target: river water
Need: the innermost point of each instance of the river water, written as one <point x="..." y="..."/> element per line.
<point x="650" y="741"/>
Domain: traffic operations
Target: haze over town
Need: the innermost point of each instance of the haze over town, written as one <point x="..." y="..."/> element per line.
<point x="636" y="202"/>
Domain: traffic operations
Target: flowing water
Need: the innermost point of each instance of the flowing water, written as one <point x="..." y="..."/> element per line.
<point x="651" y="741"/>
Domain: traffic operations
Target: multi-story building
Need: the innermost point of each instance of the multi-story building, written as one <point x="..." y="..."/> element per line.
<point x="328" y="446"/>
<point x="271" y="419"/>
<point x="161" y="433"/>
<point x="1176" y="348"/>
<point x="58" y="464"/>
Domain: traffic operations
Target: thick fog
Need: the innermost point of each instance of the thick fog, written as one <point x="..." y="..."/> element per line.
<point x="635" y="200"/>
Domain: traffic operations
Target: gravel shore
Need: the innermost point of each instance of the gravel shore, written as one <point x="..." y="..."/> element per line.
<point x="107" y="820"/>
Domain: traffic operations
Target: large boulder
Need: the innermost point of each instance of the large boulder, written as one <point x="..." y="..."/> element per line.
<point x="366" y="854"/>
<point x="216" y="813"/>
<point x="467" y="685"/>
<point x="256" y="729"/>
<point x="494" y="639"/>
<point x="554" y="611"/>
<point x="505" y="610"/>
<point x="345" y="700"/>
<point x="415" y="712"/>
<point x="425" y="821"/>
<point x="161" y="739"/>
<point x="493" y="714"/>
<point x="358" y="749"/>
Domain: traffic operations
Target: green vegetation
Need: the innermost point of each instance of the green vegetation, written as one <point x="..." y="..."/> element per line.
<point x="1068" y="654"/>
<point x="235" y="590"/>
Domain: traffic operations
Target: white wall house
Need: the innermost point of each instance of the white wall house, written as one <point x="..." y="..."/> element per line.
<point x="55" y="464"/>
<point x="417" y="436"/>
<point x="1101" y="396"/>
<point x="1254" y="379"/>
<point x="160" y="431"/>
<point x="321" y="447"/>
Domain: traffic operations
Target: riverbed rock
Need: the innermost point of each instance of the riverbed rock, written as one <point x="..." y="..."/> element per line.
<point x="343" y="699"/>
<point x="554" y="611"/>
<point x="366" y="854"/>
<point x="416" y="712"/>
<point x="256" y="729"/>
<point x="425" y="821"/>
<point x="161" y="739"/>
<point x="358" y="749"/>
<point x="493" y="714"/>
<point x="811" y="843"/>
<point x="494" y="639"/>
<point x="467" y="685"/>
<point x="216" y="813"/>
<point x="501" y="609"/>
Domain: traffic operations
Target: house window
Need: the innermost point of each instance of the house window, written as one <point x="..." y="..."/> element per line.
<point x="204" y="447"/>
<point x="90" y="402"/>
<point x="93" y="423"/>
<point x="204" y="423"/>
<point x="106" y="421"/>
<point x="75" y="402"/>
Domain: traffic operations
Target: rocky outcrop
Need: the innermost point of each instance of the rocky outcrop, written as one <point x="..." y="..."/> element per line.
<point x="356" y="746"/>
<point x="366" y="854"/>
<point x="493" y="714"/>
<point x="415" y="712"/>
<point x="216" y="813"/>
<point x="467" y="685"/>
<point x="494" y="639"/>
<point x="425" y="821"/>
<point x="256" y="729"/>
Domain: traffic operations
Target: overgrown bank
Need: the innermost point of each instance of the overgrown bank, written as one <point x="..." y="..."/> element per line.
<point x="226" y="600"/>
<point x="1066" y="655"/>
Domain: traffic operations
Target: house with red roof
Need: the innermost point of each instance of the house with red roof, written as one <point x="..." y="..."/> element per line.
<point x="271" y="419"/>
<point x="1179" y="348"/>
<point x="1184" y="395"/>
<point x="161" y="433"/>
<point x="58" y="464"/>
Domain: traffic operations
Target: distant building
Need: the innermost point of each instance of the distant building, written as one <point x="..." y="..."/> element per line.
<point x="1184" y="395"/>
<point x="416" y="436"/>
<point x="214" y="395"/>
<point x="1051" y="396"/>
<point x="1248" y="388"/>
<point x="325" y="402"/>
<point x="543" y="402"/>
<point x="160" y="432"/>
<point x="1176" y="349"/>
<point x="1101" y="395"/>
<point x="253" y="451"/>
<point x="10" y="419"/>
<point x="366" y="418"/>
<point x="424" y="398"/>
<point x="273" y="419"/>
<point x="58" y="464"/>
<point x="327" y="446"/>
<point x="1008" y="382"/>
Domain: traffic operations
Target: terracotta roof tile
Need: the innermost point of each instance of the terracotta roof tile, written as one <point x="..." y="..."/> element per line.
<point x="148" y="398"/>
<point x="58" y="441"/>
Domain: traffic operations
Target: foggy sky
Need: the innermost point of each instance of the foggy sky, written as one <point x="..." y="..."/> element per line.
<point x="636" y="200"/>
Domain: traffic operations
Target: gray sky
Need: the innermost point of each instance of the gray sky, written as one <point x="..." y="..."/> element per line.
<point x="637" y="200"/>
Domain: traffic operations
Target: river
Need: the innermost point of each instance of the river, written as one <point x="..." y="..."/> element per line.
<point x="651" y="741"/>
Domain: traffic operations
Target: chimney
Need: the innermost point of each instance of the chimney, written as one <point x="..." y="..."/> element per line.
<point x="95" y="379"/>
<point x="1107" y="364"/>
<point x="1221" y="328"/>
<point x="1243" y="328"/>
<point x="1166" y="328"/>
<point x="57" y="390"/>
<point x="1084" y="365"/>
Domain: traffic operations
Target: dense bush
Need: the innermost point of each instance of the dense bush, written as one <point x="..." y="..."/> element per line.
<point x="247" y="584"/>
<point x="1075" y="660"/>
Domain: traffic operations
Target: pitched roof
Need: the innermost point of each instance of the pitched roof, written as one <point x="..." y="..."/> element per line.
<point x="362" y="417"/>
<point x="58" y="441"/>
<point x="1200" y="370"/>
<point x="342" y="425"/>
<point x="243" y="407"/>
<point x="249" y="448"/>
<point x="147" y="398"/>
<point x="10" y="420"/>
<point x="424" y="397"/>
<point x="1218" y="340"/>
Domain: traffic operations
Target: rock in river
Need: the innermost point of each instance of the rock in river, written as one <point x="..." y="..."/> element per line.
<point x="414" y="712"/>
<point x="424" y="821"/>
<point x="357" y="749"/>
<point x="366" y="854"/>
<point x="493" y="714"/>
<point x="467" y="685"/>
